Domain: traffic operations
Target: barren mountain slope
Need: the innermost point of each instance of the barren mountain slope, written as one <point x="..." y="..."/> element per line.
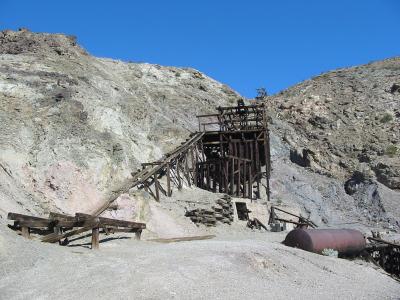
<point x="74" y="126"/>
<point x="346" y="120"/>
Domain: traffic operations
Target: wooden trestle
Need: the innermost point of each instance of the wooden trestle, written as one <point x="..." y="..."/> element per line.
<point x="235" y="149"/>
<point x="178" y="166"/>
<point x="60" y="226"/>
<point x="226" y="155"/>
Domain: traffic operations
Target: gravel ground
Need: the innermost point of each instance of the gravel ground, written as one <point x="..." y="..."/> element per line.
<point x="231" y="266"/>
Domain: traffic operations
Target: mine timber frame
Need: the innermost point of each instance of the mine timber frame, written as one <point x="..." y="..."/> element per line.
<point x="236" y="146"/>
<point x="226" y="155"/>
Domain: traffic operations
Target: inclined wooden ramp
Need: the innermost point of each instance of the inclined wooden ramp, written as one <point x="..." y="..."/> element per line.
<point x="178" y="165"/>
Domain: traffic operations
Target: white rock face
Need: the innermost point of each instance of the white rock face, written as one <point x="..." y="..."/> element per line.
<point x="74" y="127"/>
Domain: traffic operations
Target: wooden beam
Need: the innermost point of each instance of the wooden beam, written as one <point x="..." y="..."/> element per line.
<point x="169" y="191"/>
<point x="62" y="220"/>
<point x="156" y="187"/>
<point x="238" y="157"/>
<point x="182" y="239"/>
<point x="110" y="222"/>
<point x="54" y="237"/>
<point x="29" y="221"/>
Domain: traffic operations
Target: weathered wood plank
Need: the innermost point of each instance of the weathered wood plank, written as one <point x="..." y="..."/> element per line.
<point x="29" y="221"/>
<point x="110" y="222"/>
<point x="182" y="239"/>
<point x="54" y="237"/>
<point x="169" y="191"/>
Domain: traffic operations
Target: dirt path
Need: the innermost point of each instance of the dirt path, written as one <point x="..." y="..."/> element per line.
<point x="246" y="265"/>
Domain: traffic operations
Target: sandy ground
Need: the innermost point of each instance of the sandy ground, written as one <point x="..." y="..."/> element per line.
<point x="240" y="265"/>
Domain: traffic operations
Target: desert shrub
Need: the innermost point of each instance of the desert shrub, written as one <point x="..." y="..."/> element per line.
<point x="262" y="94"/>
<point x="391" y="150"/>
<point x="386" y="118"/>
<point x="330" y="252"/>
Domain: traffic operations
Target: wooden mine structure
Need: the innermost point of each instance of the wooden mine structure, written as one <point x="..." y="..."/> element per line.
<point x="235" y="147"/>
<point x="226" y="155"/>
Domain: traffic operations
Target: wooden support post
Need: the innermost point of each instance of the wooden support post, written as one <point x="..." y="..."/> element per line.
<point x="156" y="188"/>
<point x="226" y="178"/>
<point x="25" y="231"/>
<point x="57" y="230"/>
<point x="214" y="177"/>
<point x="258" y="167"/>
<point x="250" y="183"/>
<point x="238" y="178"/>
<point x="138" y="234"/>
<point x="178" y="176"/>
<point x="169" y="191"/>
<point x="194" y="165"/>
<point x="244" y="178"/>
<point x="161" y="189"/>
<point x="202" y="150"/>
<point x="220" y="165"/>
<point x="208" y="176"/>
<point x="252" y="157"/>
<point x="201" y="175"/>
<point x="220" y="175"/>
<point x="187" y="173"/>
<point x="272" y="216"/>
<point x="232" y="175"/>
<point x="95" y="238"/>
<point x="267" y="162"/>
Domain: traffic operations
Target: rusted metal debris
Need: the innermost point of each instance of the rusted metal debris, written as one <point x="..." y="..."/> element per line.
<point x="384" y="254"/>
<point x="59" y="227"/>
<point x="256" y="223"/>
<point x="348" y="242"/>
<point x="301" y="223"/>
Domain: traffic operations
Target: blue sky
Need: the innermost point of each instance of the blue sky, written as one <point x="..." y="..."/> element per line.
<point x="245" y="44"/>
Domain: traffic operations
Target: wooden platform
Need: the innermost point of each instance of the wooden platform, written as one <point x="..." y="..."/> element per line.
<point x="59" y="227"/>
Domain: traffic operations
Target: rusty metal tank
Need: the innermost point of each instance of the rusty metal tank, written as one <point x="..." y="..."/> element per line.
<point x="347" y="242"/>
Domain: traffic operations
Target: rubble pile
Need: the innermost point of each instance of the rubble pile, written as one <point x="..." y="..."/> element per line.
<point x="221" y="212"/>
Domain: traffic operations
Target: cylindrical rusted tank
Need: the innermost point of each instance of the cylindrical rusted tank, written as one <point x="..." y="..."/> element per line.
<point x="345" y="241"/>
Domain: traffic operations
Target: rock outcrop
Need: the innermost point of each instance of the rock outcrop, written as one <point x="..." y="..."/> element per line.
<point x="345" y="120"/>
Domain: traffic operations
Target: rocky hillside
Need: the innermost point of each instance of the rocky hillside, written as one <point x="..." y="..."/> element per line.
<point x="345" y="121"/>
<point x="75" y="126"/>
